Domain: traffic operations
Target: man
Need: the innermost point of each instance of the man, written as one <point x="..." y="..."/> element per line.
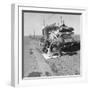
<point x="56" y="42"/>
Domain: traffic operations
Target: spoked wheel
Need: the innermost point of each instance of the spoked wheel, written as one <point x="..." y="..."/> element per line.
<point x="55" y="48"/>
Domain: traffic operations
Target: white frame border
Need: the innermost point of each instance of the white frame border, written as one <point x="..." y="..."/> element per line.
<point x="16" y="56"/>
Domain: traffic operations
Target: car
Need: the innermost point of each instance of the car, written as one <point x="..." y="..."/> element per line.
<point x="70" y="48"/>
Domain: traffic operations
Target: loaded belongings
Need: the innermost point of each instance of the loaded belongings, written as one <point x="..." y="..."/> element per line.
<point x="58" y="41"/>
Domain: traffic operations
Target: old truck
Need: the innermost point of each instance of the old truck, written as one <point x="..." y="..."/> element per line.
<point x="59" y="40"/>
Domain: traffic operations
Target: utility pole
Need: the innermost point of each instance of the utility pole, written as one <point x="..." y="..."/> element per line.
<point x="61" y="20"/>
<point x="43" y="22"/>
<point x="34" y="33"/>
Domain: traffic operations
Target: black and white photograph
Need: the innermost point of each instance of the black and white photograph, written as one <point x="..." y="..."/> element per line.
<point x="51" y="44"/>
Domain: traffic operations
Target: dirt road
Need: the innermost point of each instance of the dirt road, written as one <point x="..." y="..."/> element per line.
<point x="43" y="66"/>
<point x="35" y="63"/>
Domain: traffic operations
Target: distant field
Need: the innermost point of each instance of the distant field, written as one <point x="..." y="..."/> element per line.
<point x="64" y="65"/>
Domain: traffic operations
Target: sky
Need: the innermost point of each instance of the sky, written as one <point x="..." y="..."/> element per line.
<point x="33" y="22"/>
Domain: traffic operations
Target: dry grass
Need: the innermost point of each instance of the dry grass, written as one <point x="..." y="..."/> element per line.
<point x="61" y="66"/>
<point x="65" y="65"/>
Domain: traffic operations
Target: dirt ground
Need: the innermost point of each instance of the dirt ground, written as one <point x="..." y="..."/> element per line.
<point x="35" y="64"/>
